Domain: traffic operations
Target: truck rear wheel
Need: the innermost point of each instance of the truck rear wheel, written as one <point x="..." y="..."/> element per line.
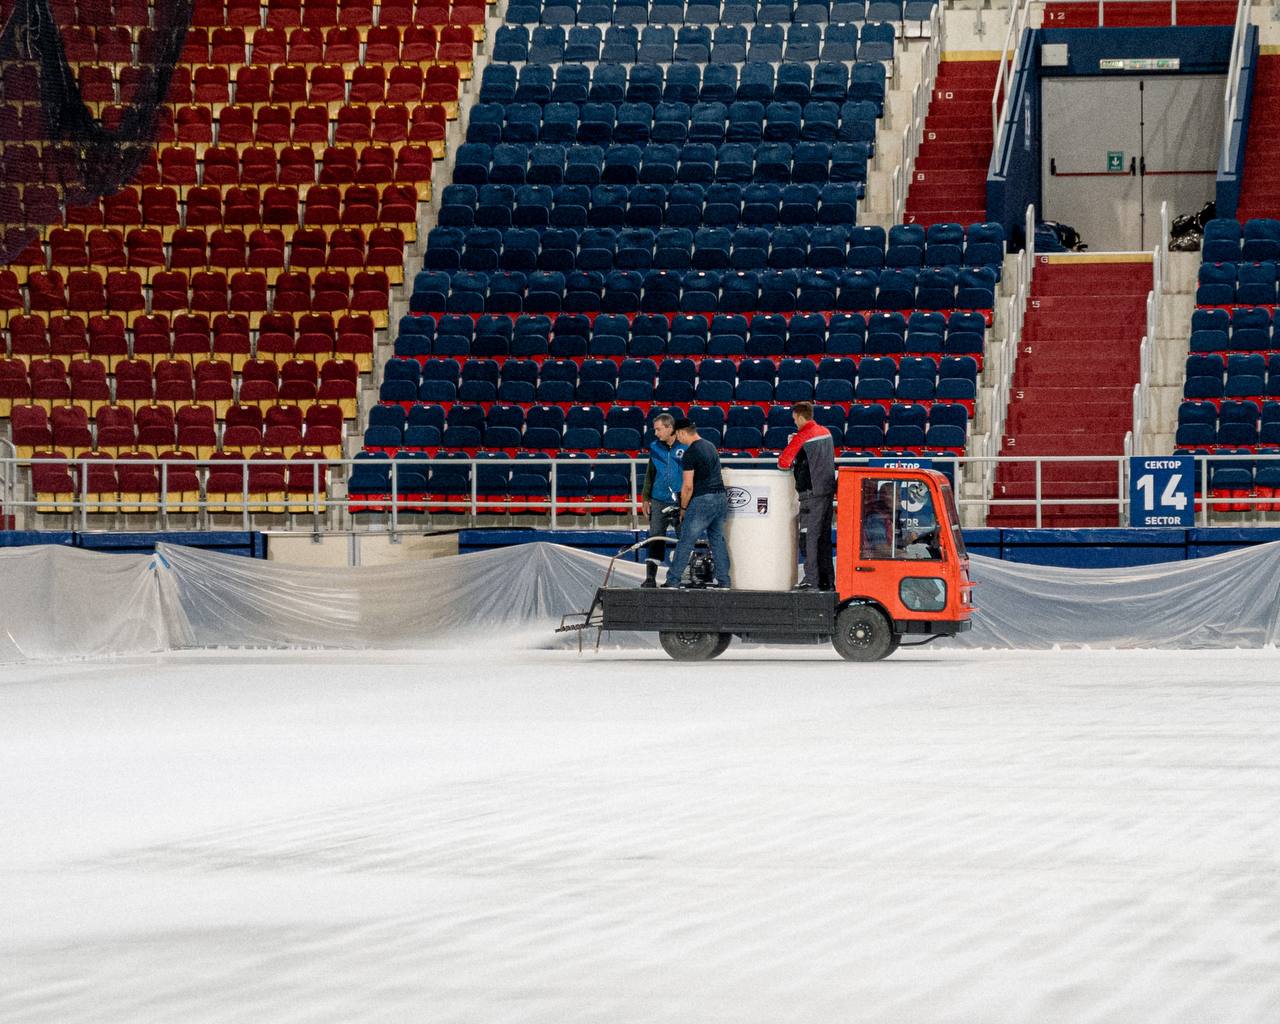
<point x="863" y="634"/>
<point x="694" y="646"/>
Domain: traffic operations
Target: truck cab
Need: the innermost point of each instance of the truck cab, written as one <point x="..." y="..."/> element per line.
<point x="901" y="571"/>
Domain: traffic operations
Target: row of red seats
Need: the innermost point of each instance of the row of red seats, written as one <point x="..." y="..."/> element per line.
<point x="177" y="380"/>
<point x="187" y="426"/>
<point x="365" y="120"/>
<point x="410" y="163"/>
<point x="294" y="83"/>
<point x="101" y="12"/>
<point x="159" y="205"/>
<point x="316" y="13"/>
<point x="136" y="484"/>
<point x="208" y="291"/>
<point x="190" y="249"/>
<point x="155" y="338"/>
<point x="385" y="44"/>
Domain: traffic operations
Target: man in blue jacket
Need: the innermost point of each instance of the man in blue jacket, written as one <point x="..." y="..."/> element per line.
<point x="660" y="497"/>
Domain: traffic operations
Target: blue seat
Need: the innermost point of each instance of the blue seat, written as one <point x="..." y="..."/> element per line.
<point x="1261" y="239"/>
<point x="583" y="43"/>
<point x="708" y="122"/>
<point x="803" y="43"/>
<point x="620" y="44"/>
<point x="877" y="42"/>
<point x="498" y="84"/>
<point x="840" y="43"/>
<point x="729" y="45"/>
<point x="975" y="288"/>
<point x="766" y="44"/>
<point x="756" y="81"/>
<point x="546" y="44"/>
<point x="867" y="82"/>
<point x="657" y="44"/>
<point x="1256" y="283"/>
<point x="1221" y="240"/>
<point x="1217" y="284"/>
<point x="820" y="120"/>
<point x="693" y="43"/>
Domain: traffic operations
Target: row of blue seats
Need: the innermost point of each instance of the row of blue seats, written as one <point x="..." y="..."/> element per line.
<point x="778" y="163"/>
<point x="1243" y="376"/>
<point x="699" y="291"/>
<point x="1233" y="423"/>
<point x="1241" y="330"/>
<point x="695" y="44"/>
<point x="713" y="12"/>
<point x="600" y="124"/>
<point x="735" y="334"/>
<point x="553" y="417"/>
<point x="758" y="81"/>
<point x="757" y="248"/>
<point x="1225" y="284"/>
<point x="577" y="207"/>
<point x="1227" y="241"/>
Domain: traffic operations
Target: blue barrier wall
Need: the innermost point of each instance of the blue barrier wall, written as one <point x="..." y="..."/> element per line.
<point x="230" y="542"/>
<point x="1230" y="176"/>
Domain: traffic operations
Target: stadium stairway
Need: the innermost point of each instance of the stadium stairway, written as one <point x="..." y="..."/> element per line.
<point x="1072" y="387"/>
<point x="950" y="179"/>
<point x="1155" y="14"/>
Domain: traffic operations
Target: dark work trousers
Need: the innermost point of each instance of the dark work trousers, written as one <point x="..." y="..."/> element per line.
<point x="815" y="528"/>
<point x="659" y="523"/>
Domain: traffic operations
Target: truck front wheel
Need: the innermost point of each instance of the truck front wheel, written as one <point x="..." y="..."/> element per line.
<point x="863" y="634"/>
<point x="694" y="646"/>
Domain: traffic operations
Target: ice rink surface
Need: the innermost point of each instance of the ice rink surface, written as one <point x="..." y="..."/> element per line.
<point x="528" y="837"/>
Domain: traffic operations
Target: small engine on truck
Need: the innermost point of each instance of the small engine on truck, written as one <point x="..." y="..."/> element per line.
<point x="901" y="574"/>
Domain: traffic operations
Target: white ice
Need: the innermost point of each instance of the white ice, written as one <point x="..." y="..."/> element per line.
<point x="541" y="837"/>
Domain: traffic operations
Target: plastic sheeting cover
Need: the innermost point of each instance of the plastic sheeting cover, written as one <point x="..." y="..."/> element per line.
<point x="59" y="602"/>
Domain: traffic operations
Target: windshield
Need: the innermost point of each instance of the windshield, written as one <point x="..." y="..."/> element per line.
<point x="948" y="499"/>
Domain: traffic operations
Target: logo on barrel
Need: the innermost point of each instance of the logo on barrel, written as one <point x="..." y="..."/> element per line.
<point x="739" y="498"/>
<point x="762" y="506"/>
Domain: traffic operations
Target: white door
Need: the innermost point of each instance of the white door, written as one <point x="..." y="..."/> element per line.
<point x="1181" y="138"/>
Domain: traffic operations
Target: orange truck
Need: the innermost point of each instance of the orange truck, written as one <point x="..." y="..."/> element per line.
<point x="902" y="578"/>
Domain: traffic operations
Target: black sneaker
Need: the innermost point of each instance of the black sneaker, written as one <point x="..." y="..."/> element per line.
<point x="648" y="584"/>
<point x="803" y="586"/>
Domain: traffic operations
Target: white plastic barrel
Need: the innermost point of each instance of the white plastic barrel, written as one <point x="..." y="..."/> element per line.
<point x="761" y="528"/>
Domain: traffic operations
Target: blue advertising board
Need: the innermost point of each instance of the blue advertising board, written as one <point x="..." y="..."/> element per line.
<point x="1162" y="490"/>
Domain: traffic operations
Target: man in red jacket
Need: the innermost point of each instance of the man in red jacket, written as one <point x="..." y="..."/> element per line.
<point x="811" y="456"/>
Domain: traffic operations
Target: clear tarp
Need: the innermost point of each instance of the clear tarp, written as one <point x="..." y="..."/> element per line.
<point x="59" y="602"/>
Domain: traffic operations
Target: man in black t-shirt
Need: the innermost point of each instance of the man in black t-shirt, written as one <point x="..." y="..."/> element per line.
<point x="705" y="505"/>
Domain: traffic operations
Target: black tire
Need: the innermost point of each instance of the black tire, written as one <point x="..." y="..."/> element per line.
<point x="863" y="634"/>
<point x="693" y="646"/>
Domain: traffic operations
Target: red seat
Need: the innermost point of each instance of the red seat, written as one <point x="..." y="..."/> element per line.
<point x="10" y="293"/>
<point x="46" y="290"/>
<point x="308" y="248"/>
<point x="283" y="428"/>
<point x="306" y="46"/>
<point x="342" y="44"/>
<point x="231" y="337"/>
<point x="293" y="293"/>
<point x="297" y="165"/>
<point x="331" y="291"/>
<point x="53" y="479"/>
<point x="209" y="291"/>
<point x="151" y="336"/>
<point x="15" y="386"/>
<point x="427" y="123"/>
<point x="190" y="336"/>
<point x="274" y="125"/>
<point x="382" y="45"/>
<point x="213" y="382"/>
<point x="322" y="205"/>
<point x="226" y="248"/>
<point x="30" y="426"/>
<point x="107" y="340"/>
<point x="182" y="483"/>
<point x="169" y="291"/>
<point x="414" y="162"/>
<point x="369" y="291"/>
<point x="114" y="427"/>
<point x="143" y="247"/>
<point x="71" y="427"/>
<point x="79" y="44"/>
<point x="355" y="12"/>
<point x="354" y="124"/>
<point x="266" y="249"/>
<point x="194" y="124"/>
<point x="227" y="45"/>
<point x="235" y="124"/>
<point x="248" y="291"/>
<point x="253" y="84"/>
<point x="240" y="205"/>
<point x="284" y="13"/>
<point x="68" y="336"/>
<point x="211" y="84"/>
<point x="311" y="124"/>
<point x="178" y="166"/>
<point x="123" y="292"/>
<point x="404" y="84"/>
<point x="243" y="427"/>
<point x="442" y="83"/>
<point x="221" y="165"/>
<point x="259" y="381"/>
<point x="135" y="381"/>
<point x="328" y="84"/>
<point x="321" y="13"/>
<point x="418" y="43"/>
<point x="368" y="84"/>
<point x="269" y="45"/>
<point x="204" y="206"/>
<point x="299" y="379"/>
<point x="159" y="207"/>
<point x="89" y="381"/>
<point x="97" y="84"/>
<point x="188" y="248"/>
<point x="195" y="427"/>
<point x="395" y="12"/>
<point x="106" y="247"/>
<point x="243" y="12"/>
<point x="377" y="165"/>
<point x="156" y="426"/>
<point x="360" y="205"/>
<point x="391" y="123"/>
<point x="338" y="165"/>
<point x="175" y="381"/>
<point x="288" y="85"/>
<point x="66" y="247"/>
<point x="28" y="335"/>
<point x="338" y="381"/>
<point x="280" y="205"/>
<point x="258" y="166"/>
<point x="139" y="478"/>
<point x="87" y="211"/>
<point x="346" y="248"/>
<point x="386" y="247"/>
<point x="431" y="12"/>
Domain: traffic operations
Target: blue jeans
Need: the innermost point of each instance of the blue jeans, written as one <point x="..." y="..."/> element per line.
<point x="704" y="517"/>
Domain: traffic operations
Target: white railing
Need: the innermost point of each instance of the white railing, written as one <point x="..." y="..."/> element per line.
<point x="1155" y="304"/>
<point x="317" y="505"/>
<point x="1005" y="365"/>
<point x="913" y="133"/>
<point x="1231" y="97"/>
<point x="1019" y="13"/>
<point x="8" y="479"/>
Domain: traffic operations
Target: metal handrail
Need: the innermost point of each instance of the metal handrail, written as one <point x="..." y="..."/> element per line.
<point x="316" y="503"/>
<point x="1019" y="11"/>
<point x="1155" y="303"/>
<point x="1231" y="96"/>
<point x="913" y="134"/>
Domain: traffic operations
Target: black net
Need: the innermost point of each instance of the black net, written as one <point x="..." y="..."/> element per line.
<point x="56" y="148"/>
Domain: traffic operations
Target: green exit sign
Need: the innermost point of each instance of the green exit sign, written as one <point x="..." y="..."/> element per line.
<point x="1115" y="161"/>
